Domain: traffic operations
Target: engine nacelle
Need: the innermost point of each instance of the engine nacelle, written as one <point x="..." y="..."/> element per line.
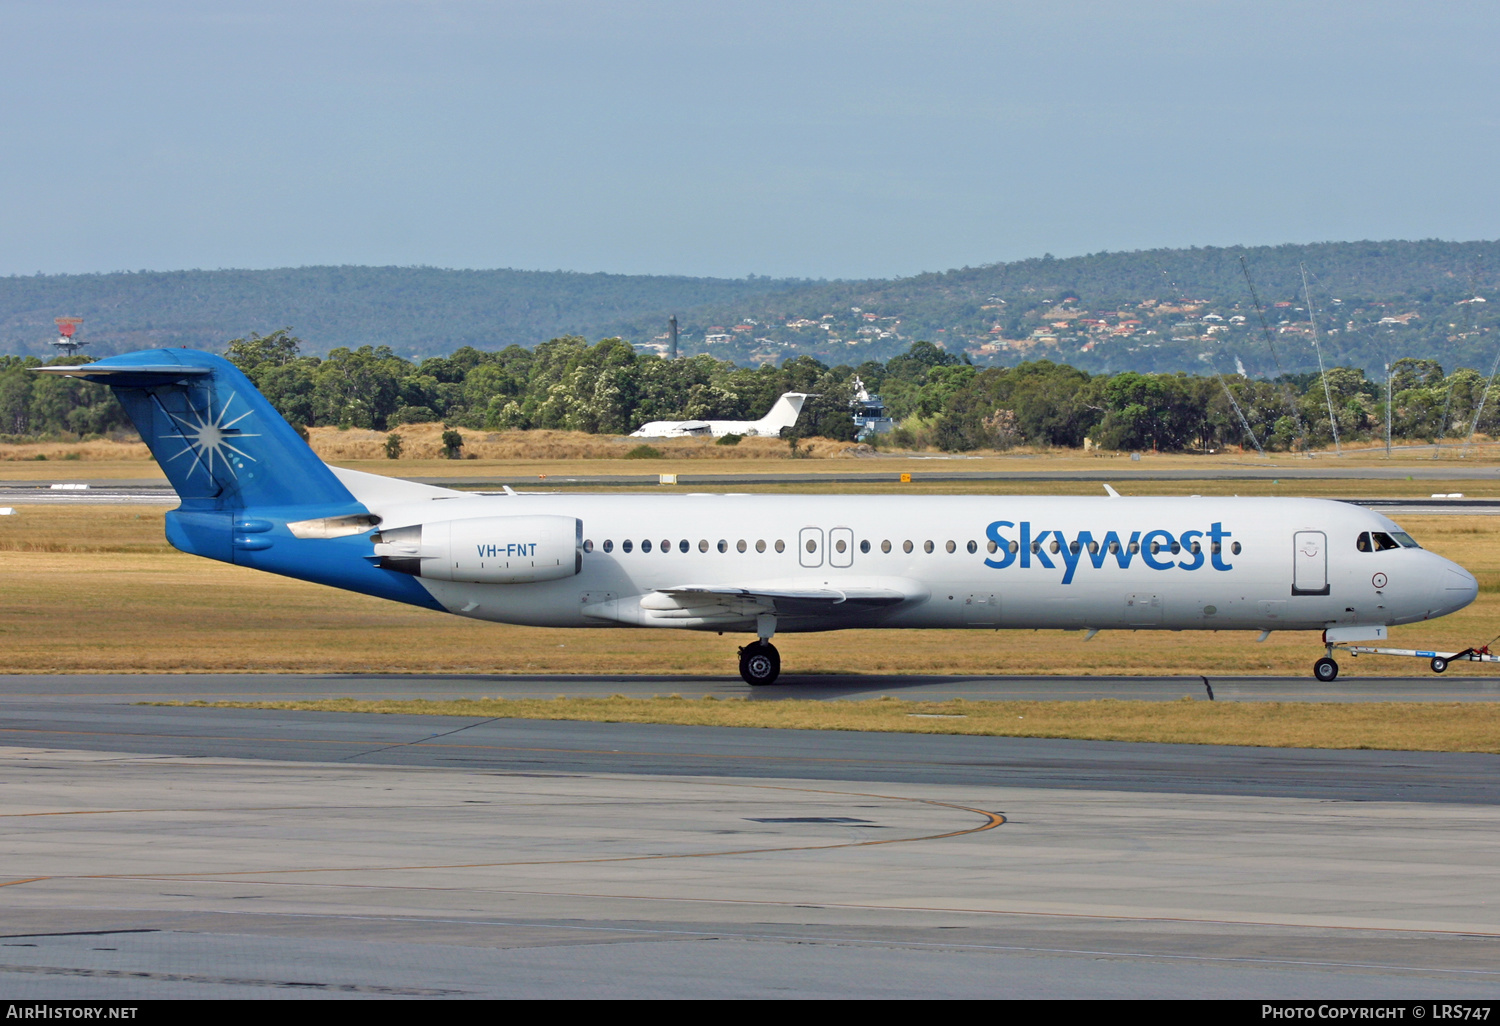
<point x="485" y="550"/>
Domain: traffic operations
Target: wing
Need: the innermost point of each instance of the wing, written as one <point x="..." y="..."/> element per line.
<point x="796" y="606"/>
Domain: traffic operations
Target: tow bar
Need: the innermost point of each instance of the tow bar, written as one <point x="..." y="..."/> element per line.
<point x="1438" y="661"/>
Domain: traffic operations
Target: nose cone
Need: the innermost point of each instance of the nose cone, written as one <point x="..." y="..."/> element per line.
<point x="1458" y="589"/>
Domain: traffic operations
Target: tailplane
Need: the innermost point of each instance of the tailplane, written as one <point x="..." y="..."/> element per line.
<point x="220" y="443"/>
<point x="783" y="415"/>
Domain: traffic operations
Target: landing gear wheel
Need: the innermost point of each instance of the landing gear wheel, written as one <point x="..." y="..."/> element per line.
<point x="1438" y="664"/>
<point x="1325" y="669"/>
<point x="760" y="663"/>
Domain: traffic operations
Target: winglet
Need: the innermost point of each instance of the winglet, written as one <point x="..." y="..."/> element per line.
<point x="1112" y="493"/>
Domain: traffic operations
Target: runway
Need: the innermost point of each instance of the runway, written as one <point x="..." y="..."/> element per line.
<point x="153" y="851"/>
<point x="70" y="689"/>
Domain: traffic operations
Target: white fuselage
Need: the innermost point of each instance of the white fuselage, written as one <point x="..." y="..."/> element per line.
<point x="1282" y="564"/>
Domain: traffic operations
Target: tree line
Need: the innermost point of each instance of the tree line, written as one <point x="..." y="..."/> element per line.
<point x="937" y="399"/>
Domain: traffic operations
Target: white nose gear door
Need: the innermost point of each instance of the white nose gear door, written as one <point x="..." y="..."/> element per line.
<point x="1310" y="563"/>
<point x="810" y="546"/>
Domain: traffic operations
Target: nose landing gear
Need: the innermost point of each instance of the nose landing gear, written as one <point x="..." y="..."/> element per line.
<point x="1325" y="669"/>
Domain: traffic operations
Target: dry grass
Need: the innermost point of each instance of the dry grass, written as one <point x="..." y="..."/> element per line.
<point x="1408" y="726"/>
<point x="97" y="451"/>
<point x="424" y="442"/>
<point x="561" y="453"/>
<point x="88" y="589"/>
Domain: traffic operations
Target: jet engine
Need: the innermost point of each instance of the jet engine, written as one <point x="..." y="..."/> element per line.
<point x="485" y="550"/>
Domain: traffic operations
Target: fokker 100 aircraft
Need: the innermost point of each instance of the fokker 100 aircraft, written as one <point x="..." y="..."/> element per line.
<point x="255" y="495"/>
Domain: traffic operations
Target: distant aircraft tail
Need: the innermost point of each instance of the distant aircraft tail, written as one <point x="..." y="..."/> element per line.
<point x="784" y="414"/>
<point x="220" y="443"/>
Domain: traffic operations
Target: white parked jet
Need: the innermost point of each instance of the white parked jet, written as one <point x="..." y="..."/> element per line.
<point x="255" y="495"/>
<point x="783" y="415"/>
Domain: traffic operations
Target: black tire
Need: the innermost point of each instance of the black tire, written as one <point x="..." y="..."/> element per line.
<point x="1438" y="664"/>
<point x="1325" y="669"/>
<point x="760" y="663"/>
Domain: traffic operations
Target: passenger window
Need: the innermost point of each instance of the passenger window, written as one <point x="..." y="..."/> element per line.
<point x="927" y="546"/>
<point x="1036" y="548"/>
<point x="1216" y="548"/>
<point x="760" y="546"/>
<point x="1235" y="548"/>
<point x="1114" y="548"/>
<point x="1073" y="547"/>
<point x="990" y="547"/>
<point x="812" y="545"/>
<point x="840" y="545"/>
<point x="951" y="547"/>
<point x="974" y="547"/>
<point x="1136" y="547"/>
<point x="1196" y="548"/>
<point x="702" y="545"/>
<point x="1383" y="541"/>
<point x="609" y="546"/>
<point x="739" y="546"/>
<point x="1362" y="543"/>
<point x="1093" y="548"/>
<point x="1056" y="548"/>
<point x="1015" y="546"/>
<point x="724" y="545"/>
<point x="588" y="545"/>
<point x="645" y="545"/>
<point x="625" y="545"/>
<point x="1155" y="548"/>
<point x="684" y="545"/>
<point x="864" y="546"/>
<point x="666" y="545"/>
<point x="780" y="545"/>
<point x="1176" y="548"/>
<point x="906" y="546"/>
<point x="885" y="546"/>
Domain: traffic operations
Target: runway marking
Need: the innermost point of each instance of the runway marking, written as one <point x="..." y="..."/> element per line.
<point x="991" y="820"/>
<point x="27" y="880"/>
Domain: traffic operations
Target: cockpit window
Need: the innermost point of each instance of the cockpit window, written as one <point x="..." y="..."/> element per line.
<point x="1406" y="541"/>
<point x="1383" y="541"/>
<point x="1362" y="543"/>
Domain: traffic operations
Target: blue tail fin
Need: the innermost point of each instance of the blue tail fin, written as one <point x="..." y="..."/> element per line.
<point x="221" y="444"/>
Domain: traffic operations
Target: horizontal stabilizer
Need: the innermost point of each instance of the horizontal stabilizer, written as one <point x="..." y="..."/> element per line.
<point x="134" y="376"/>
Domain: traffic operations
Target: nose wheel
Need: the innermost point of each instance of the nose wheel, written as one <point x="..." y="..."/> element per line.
<point x="760" y="663"/>
<point x="1325" y="669"/>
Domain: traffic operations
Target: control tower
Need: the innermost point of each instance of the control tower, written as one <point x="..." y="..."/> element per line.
<point x="66" y="344"/>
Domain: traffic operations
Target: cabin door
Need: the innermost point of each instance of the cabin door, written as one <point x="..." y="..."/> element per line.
<point x="1310" y="563"/>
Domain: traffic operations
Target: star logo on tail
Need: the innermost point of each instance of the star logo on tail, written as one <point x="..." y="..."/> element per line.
<point x="207" y="439"/>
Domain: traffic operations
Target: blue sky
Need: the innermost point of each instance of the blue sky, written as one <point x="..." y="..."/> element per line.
<point x="835" y="140"/>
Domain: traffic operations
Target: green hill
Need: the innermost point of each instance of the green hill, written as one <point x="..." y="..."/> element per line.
<point x="1156" y="310"/>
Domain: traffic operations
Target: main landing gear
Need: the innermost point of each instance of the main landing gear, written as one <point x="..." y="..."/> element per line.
<point x="760" y="663"/>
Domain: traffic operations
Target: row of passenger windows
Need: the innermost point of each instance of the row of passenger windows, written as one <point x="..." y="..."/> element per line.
<point x="907" y="546"/>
